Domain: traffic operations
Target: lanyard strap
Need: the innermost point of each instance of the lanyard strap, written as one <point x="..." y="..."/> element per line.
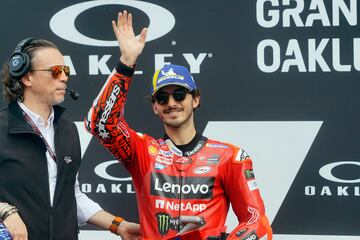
<point x="36" y="129"/>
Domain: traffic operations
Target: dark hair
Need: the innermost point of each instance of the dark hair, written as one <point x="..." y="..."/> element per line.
<point x="13" y="88"/>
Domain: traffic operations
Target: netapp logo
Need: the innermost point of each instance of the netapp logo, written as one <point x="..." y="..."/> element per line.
<point x="190" y="188"/>
<point x="169" y="205"/>
<point x="161" y="21"/>
<point x="340" y="190"/>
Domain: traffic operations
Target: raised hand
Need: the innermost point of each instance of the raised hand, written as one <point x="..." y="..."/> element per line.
<point x="130" y="46"/>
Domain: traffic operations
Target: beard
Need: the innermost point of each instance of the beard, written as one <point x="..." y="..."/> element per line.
<point x="57" y="100"/>
<point x="178" y="122"/>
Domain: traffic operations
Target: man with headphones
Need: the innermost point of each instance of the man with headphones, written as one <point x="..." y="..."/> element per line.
<point x="40" y="152"/>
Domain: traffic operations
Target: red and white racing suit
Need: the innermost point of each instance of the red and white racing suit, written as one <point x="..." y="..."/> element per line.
<point x="172" y="185"/>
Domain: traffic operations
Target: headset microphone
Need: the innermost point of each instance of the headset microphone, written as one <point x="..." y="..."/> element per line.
<point x="73" y="94"/>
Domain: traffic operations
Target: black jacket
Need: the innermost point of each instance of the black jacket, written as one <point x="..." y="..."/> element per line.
<point x="24" y="179"/>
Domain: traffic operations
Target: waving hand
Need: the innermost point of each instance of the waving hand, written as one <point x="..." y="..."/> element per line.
<point x="130" y="46"/>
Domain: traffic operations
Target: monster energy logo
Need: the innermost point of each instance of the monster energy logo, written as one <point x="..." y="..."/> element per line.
<point x="166" y="222"/>
<point x="249" y="174"/>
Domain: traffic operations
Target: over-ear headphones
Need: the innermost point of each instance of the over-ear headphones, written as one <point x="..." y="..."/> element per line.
<point x="19" y="61"/>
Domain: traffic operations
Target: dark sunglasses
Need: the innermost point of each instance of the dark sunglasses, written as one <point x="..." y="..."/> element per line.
<point x="57" y="70"/>
<point x="178" y="95"/>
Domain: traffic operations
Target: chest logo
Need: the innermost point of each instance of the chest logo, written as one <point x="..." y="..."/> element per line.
<point x="202" y="170"/>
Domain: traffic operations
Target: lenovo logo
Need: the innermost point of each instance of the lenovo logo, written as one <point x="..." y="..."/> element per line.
<point x="188" y="188"/>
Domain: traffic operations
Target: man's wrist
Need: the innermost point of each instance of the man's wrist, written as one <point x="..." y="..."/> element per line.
<point x="124" y="69"/>
<point x="128" y="62"/>
<point x="6" y="210"/>
<point x="115" y="225"/>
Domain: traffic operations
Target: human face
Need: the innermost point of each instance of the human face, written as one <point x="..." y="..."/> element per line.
<point x="42" y="86"/>
<point x="174" y="113"/>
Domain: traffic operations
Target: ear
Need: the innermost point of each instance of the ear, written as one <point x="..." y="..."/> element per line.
<point x="196" y="101"/>
<point x="26" y="80"/>
<point x="154" y="107"/>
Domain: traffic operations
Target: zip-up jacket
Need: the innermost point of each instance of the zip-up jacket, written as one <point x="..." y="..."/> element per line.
<point x="24" y="180"/>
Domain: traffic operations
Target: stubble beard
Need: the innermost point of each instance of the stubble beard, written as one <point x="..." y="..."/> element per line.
<point x="57" y="101"/>
<point x="177" y="123"/>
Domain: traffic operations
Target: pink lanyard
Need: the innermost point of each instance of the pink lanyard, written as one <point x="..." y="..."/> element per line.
<point x="36" y="129"/>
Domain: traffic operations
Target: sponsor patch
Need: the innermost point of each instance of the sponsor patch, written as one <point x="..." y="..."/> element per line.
<point x="249" y="174"/>
<point x="241" y="232"/>
<point x="214" y="159"/>
<point x="251" y="236"/>
<point x="164" y="160"/>
<point x="165" y="153"/>
<point x="216" y="145"/>
<point x="254" y="215"/>
<point x="196" y="148"/>
<point x="183" y="160"/>
<point x="159" y="166"/>
<point x="153" y="150"/>
<point x="166" y="222"/>
<point x="252" y="185"/>
<point x="202" y="170"/>
<point x="241" y="156"/>
<point x="173" y="148"/>
<point x="170" y="74"/>
<point x="172" y="206"/>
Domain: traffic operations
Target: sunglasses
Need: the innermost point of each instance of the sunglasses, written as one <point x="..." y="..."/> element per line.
<point x="57" y="70"/>
<point x="178" y="95"/>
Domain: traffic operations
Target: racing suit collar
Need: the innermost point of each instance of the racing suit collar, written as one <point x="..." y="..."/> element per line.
<point x="187" y="149"/>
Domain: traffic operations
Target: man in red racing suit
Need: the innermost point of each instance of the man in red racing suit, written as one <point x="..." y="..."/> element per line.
<point x="180" y="185"/>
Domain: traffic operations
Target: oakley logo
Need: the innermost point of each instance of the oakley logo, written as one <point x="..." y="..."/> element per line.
<point x="100" y="170"/>
<point x="326" y="172"/>
<point x="161" y="21"/>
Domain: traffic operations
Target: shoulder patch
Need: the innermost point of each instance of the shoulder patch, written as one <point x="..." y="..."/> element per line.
<point x="241" y="156"/>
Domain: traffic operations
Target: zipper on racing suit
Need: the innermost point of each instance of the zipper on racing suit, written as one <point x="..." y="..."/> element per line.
<point x="180" y="199"/>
